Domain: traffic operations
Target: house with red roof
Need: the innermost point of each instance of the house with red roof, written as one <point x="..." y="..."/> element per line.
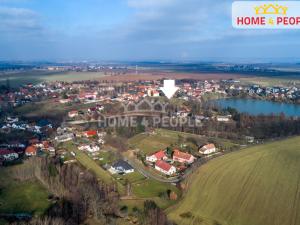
<point x="8" y="155"/>
<point x="31" y="151"/>
<point x="183" y="157"/>
<point x="160" y="155"/>
<point x="90" y="133"/>
<point x="165" y="167"/>
<point x="73" y="113"/>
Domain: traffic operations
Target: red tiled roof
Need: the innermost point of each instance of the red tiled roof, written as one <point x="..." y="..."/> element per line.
<point x="91" y="133"/>
<point x="160" y="154"/>
<point x="163" y="165"/>
<point x="30" y="149"/>
<point x="46" y="144"/>
<point x="181" y="155"/>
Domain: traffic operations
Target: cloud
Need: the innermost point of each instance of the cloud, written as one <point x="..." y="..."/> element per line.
<point x="18" y="19"/>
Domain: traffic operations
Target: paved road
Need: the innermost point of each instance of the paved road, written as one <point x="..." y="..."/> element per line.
<point x="199" y="162"/>
<point x="141" y="169"/>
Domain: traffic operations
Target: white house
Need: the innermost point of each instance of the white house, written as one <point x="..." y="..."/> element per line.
<point x="121" y="167"/>
<point x="207" y="149"/>
<point x="73" y="114"/>
<point x="8" y="155"/>
<point x="89" y="148"/>
<point x="160" y="155"/>
<point x="183" y="157"/>
<point x="65" y="137"/>
<point x="164" y="167"/>
<point x="223" y="118"/>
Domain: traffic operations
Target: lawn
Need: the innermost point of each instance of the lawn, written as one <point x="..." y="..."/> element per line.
<point x="22" y="197"/>
<point x="150" y="188"/>
<point x="161" y="139"/>
<point x="131" y="178"/>
<point x="29" y="197"/>
<point x="92" y="166"/>
<point x="257" y="185"/>
<point x="88" y="163"/>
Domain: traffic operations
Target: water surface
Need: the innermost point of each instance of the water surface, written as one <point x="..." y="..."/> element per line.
<point x="256" y="107"/>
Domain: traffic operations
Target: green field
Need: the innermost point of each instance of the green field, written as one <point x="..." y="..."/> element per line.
<point x="49" y="108"/>
<point x="161" y="139"/>
<point x="88" y="163"/>
<point x="255" y="186"/>
<point x="271" y="81"/>
<point x="151" y="188"/>
<point x="36" y="76"/>
<point x="92" y="166"/>
<point x="22" y="197"/>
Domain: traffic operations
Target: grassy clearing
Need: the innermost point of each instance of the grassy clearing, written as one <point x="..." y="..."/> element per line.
<point x="88" y="163"/>
<point x="22" y="197"/>
<point x="131" y="178"/>
<point x="258" y="185"/>
<point x="92" y="166"/>
<point x="149" y="143"/>
<point x="151" y="188"/>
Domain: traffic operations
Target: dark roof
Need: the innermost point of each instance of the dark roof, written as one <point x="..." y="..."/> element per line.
<point x="122" y="165"/>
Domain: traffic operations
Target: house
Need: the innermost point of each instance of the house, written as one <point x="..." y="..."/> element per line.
<point x="183" y="157"/>
<point x="164" y="167"/>
<point x="64" y="101"/>
<point x="223" y="118"/>
<point x="89" y="148"/>
<point x="122" y="167"/>
<point x="8" y="155"/>
<point x="160" y="155"/>
<point x="207" y="149"/>
<point x="64" y="137"/>
<point x="73" y="114"/>
<point x="30" y="150"/>
<point x="90" y="133"/>
<point x="51" y="150"/>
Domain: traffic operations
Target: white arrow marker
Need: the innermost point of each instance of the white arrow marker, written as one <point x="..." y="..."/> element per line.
<point x="169" y="88"/>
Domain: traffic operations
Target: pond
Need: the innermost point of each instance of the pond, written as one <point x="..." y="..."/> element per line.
<point x="256" y="107"/>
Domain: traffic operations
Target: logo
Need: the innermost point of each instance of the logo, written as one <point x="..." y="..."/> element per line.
<point x="270" y="9"/>
<point x="147" y="113"/>
<point x="266" y="14"/>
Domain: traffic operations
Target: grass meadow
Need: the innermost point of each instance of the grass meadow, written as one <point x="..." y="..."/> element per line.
<point x="258" y="185"/>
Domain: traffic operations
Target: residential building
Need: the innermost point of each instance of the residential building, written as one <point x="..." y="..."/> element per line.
<point x="90" y="133"/>
<point x="183" y="157"/>
<point x="164" y="167"/>
<point x="89" y="148"/>
<point x="8" y="155"/>
<point x="73" y="114"/>
<point x="160" y="155"/>
<point x="31" y="151"/>
<point x="207" y="149"/>
<point x="64" y="137"/>
<point x="122" y="167"/>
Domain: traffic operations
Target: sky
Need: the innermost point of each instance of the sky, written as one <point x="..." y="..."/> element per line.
<point x="135" y="30"/>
